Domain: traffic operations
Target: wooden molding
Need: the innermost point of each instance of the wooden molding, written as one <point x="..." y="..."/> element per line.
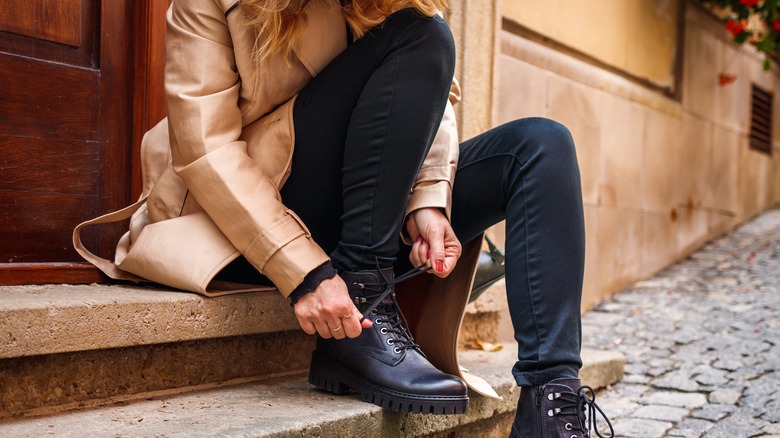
<point x="14" y="274"/>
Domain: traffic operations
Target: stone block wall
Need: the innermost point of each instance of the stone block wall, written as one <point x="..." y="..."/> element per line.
<point x="660" y="175"/>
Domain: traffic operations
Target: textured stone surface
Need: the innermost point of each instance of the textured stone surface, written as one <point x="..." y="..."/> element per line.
<point x="289" y="407"/>
<point x="37" y="320"/>
<point x="285" y="407"/>
<point x="43" y="384"/>
<point x="701" y="340"/>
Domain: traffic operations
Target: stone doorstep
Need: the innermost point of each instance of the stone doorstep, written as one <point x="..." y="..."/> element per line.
<point x="49" y="319"/>
<point x="289" y="407"/>
<point x="39" y="320"/>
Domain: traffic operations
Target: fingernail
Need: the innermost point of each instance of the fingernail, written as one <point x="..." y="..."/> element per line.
<point x="419" y="239"/>
<point x="439" y="266"/>
<point x="429" y="254"/>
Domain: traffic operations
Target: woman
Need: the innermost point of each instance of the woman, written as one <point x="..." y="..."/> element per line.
<point x="338" y="115"/>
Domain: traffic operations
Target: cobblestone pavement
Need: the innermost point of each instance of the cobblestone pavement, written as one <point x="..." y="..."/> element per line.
<point x="702" y="340"/>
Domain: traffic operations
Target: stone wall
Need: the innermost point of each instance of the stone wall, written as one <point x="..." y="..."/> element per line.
<point x="636" y="36"/>
<point x="661" y="175"/>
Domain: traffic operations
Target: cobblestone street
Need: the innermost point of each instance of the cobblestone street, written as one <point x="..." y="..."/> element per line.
<point x="702" y="340"/>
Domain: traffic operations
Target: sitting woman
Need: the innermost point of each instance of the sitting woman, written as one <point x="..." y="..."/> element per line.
<point x="338" y="115"/>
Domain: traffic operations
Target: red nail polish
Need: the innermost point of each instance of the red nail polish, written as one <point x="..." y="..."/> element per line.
<point x="439" y="266"/>
<point x="429" y="254"/>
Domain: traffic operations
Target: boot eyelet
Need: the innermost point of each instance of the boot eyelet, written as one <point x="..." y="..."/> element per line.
<point x="396" y="350"/>
<point x="390" y="341"/>
<point x="378" y="321"/>
<point x="373" y="312"/>
<point x="383" y="331"/>
<point x="568" y="426"/>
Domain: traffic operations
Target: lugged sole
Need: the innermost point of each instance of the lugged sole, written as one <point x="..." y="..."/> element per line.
<point x="328" y="375"/>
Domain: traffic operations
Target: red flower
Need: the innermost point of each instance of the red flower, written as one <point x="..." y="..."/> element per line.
<point x="749" y="3"/>
<point x="734" y="27"/>
<point x="726" y="78"/>
<point x="776" y="25"/>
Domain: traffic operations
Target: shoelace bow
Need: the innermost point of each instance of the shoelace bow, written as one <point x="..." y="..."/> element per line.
<point x="584" y="399"/>
<point x="387" y="313"/>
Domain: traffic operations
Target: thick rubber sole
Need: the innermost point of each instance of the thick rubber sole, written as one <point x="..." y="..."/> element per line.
<point x="328" y="375"/>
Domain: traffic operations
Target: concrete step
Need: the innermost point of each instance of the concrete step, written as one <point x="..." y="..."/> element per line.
<point x="289" y="407"/>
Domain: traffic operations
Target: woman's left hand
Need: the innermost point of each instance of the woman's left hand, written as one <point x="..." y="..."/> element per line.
<point x="435" y="242"/>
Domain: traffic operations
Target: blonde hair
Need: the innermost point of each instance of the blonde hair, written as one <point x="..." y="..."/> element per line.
<point x="280" y="24"/>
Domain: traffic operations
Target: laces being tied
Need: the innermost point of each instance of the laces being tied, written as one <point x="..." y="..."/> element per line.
<point x="577" y="404"/>
<point x="384" y="308"/>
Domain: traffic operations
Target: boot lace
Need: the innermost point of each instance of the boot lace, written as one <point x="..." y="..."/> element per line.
<point x="578" y="404"/>
<point x="385" y="307"/>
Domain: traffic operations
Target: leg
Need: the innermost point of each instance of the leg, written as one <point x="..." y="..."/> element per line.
<point x="526" y="172"/>
<point x="363" y="127"/>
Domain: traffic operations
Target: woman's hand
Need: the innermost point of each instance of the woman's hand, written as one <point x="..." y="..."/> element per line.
<point x="329" y="311"/>
<point x="435" y="242"/>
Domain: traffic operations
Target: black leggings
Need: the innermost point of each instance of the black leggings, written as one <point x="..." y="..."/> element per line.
<point x="363" y="128"/>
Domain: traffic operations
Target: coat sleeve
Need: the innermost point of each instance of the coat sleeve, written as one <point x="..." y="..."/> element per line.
<point x="433" y="186"/>
<point x="202" y="90"/>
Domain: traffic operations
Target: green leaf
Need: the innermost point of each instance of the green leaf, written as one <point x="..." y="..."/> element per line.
<point x="767" y="64"/>
<point x="767" y="44"/>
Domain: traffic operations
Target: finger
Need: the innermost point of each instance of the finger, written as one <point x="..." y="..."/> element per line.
<point x="307" y="326"/>
<point x="336" y="327"/>
<point x="423" y="253"/>
<point x="418" y="254"/>
<point x="436" y="242"/>
<point x="352" y="327"/>
<point x="323" y="330"/>
<point x="414" y="257"/>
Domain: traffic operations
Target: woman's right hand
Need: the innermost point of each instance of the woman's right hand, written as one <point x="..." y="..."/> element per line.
<point x="329" y="311"/>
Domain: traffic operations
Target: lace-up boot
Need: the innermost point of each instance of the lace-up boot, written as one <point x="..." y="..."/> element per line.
<point x="558" y="410"/>
<point x="384" y="364"/>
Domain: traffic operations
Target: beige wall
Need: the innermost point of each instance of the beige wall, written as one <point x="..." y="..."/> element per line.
<point x="660" y="176"/>
<point x="636" y="36"/>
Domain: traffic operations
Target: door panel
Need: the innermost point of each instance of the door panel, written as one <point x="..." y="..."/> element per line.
<point x="66" y="119"/>
<point x="58" y="22"/>
<point x="63" y="31"/>
<point x="48" y="100"/>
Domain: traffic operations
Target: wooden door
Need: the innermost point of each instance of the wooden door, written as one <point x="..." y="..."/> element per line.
<point x="66" y="131"/>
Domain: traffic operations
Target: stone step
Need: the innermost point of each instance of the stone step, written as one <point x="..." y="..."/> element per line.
<point x="289" y="407"/>
<point x="68" y="346"/>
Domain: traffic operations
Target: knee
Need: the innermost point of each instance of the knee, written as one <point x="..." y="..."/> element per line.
<point x="433" y="37"/>
<point x="543" y="138"/>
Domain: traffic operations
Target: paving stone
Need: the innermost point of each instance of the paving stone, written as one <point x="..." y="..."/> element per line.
<point x="640" y="428"/>
<point x="725" y="396"/>
<point x="678" y="399"/>
<point x="691" y="428"/>
<point x="663" y="413"/>
<point x="679" y="380"/>
<point x="713" y="412"/>
<point x="736" y="426"/>
<point x="773" y="429"/>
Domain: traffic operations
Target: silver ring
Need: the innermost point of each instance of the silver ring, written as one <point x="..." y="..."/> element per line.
<point x="336" y="329"/>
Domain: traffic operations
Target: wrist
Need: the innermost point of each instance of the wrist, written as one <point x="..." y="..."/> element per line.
<point x="312" y="280"/>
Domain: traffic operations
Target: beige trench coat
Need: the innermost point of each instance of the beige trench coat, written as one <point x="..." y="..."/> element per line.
<point x="213" y="169"/>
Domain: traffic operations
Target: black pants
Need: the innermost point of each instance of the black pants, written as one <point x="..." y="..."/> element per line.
<point x="363" y="128"/>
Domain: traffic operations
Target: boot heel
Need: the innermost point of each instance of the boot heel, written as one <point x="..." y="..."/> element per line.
<point x="322" y="377"/>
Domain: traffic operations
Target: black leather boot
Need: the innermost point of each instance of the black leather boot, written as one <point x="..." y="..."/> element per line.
<point x="384" y="364"/>
<point x="557" y="410"/>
